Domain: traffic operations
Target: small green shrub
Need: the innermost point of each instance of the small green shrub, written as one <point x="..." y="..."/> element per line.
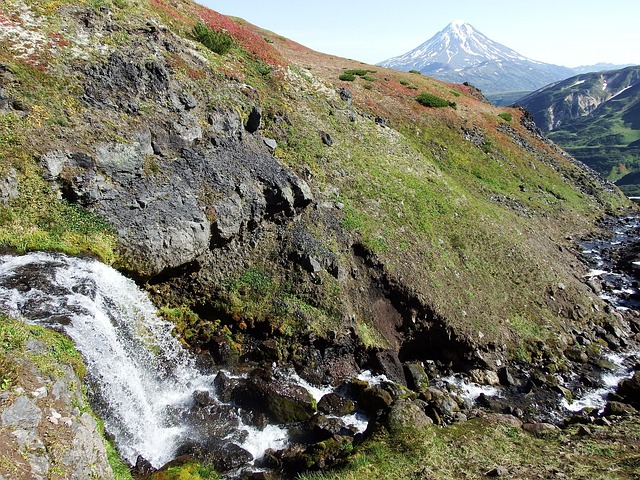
<point x="369" y="78"/>
<point x="359" y="72"/>
<point x="417" y="72"/>
<point x="506" y="116"/>
<point x="433" y="101"/>
<point x="215" y="40"/>
<point x="454" y="93"/>
<point x="404" y="82"/>
<point x="368" y="86"/>
<point x="347" y="77"/>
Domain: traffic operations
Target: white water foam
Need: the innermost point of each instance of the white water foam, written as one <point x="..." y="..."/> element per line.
<point x="470" y="390"/>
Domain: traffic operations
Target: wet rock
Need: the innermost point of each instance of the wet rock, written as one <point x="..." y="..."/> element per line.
<point x="629" y="390"/>
<point x="223" y="455"/>
<point x="484" y="377"/>
<point x="323" y="427"/>
<point x="283" y="402"/>
<point x="142" y="468"/>
<point x="417" y="378"/>
<point x="299" y="458"/>
<point x="405" y="414"/>
<point x="389" y="364"/>
<point x="335" y="404"/>
<point x="370" y="398"/>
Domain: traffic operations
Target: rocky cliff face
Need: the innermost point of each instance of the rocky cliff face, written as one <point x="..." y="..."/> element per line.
<point x="47" y="430"/>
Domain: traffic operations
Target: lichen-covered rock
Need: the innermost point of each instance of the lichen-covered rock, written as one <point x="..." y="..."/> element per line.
<point x="335" y="404"/>
<point x="44" y="434"/>
<point x="405" y="414"/>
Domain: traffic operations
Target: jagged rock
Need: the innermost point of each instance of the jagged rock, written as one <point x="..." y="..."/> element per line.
<point x="497" y="472"/>
<point x="187" y="100"/>
<point x="346" y="95"/>
<point x="159" y="211"/>
<point x="335" y="404"/>
<point x="225" y="123"/>
<point x="254" y="120"/>
<point x="506" y="378"/>
<point x="405" y="414"/>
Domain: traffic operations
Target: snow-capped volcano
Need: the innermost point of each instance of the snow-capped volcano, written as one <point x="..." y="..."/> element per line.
<point x="460" y="53"/>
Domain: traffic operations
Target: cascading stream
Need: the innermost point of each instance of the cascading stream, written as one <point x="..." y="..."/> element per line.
<point x="139" y="375"/>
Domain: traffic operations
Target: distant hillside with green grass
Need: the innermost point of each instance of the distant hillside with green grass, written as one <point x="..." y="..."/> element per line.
<point x="595" y="117"/>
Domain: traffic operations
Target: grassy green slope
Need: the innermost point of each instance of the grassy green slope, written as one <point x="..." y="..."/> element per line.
<point x="462" y="208"/>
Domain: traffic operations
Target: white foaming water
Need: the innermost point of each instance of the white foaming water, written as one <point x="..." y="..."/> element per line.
<point x="471" y="390"/>
<point x="598" y="398"/>
<point x="258" y="440"/>
<point x="371" y="379"/>
<point x="139" y="373"/>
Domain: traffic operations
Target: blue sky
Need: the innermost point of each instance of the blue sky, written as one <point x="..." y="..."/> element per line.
<point x="564" y="32"/>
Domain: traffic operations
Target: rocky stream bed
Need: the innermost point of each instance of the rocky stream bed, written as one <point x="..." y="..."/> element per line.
<point x="163" y="405"/>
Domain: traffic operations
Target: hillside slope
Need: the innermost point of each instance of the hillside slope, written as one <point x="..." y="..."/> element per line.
<point x="595" y="117"/>
<point x="287" y="206"/>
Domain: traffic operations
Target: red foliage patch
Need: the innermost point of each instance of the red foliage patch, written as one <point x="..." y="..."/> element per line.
<point x="57" y="40"/>
<point x="251" y="42"/>
<point x="172" y="12"/>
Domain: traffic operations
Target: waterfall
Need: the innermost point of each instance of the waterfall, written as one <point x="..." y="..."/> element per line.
<point x="140" y="377"/>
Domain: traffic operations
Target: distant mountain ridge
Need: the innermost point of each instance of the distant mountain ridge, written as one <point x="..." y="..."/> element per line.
<point x="596" y="117"/>
<point x="460" y="53"/>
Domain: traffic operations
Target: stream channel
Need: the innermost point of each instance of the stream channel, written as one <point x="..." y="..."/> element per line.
<point x="143" y="383"/>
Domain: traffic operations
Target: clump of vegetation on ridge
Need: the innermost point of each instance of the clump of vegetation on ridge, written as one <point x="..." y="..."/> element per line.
<point x="433" y="101"/>
<point x="215" y="40"/>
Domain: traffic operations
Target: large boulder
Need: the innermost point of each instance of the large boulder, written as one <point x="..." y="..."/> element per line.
<point x="629" y="390"/>
<point x="168" y="213"/>
<point x="281" y="401"/>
